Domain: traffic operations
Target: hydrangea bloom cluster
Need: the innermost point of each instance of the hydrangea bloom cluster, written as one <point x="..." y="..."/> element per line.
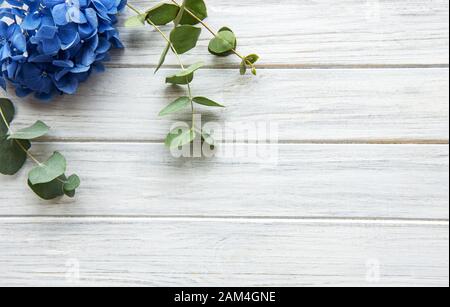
<point x="48" y="47"/>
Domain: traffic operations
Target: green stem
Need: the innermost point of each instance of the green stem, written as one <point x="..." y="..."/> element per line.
<point x="176" y="54"/>
<point x="17" y="142"/>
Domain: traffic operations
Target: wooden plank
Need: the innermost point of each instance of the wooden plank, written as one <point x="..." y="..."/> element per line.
<point x="177" y="252"/>
<point x="361" y="105"/>
<point x="362" y="181"/>
<point x="320" y="32"/>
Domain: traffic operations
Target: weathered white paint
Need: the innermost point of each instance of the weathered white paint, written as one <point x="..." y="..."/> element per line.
<point x="319" y="32"/>
<point x="217" y="252"/>
<point x="323" y="215"/>
<point x="364" y="181"/>
<point x="367" y="105"/>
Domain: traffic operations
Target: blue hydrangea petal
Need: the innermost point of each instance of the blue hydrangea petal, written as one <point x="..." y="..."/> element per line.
<point x="18" y="58"/>
<point x="103" y="45"/>
<point x="40" y="58"/>
<point x="80" y="69"/>
<point x="51" y="46"/>
<point x="46" y="32"/>
<point x="68" y="84"/>
<point x="6" y="52"/>
<point x="86" y="30"/>
<point x="52" y="3"/>
<point x="60" y="14"/>
<point x="88" y="57"/>
<point x="15" y="2"/>
<point x="31" y="22"/>
<point x="76" y="15"/>
<point x="91" y="17"/>
<point x="6" y="12"/>
<point x="47" y="19"/>
<point x="60" y="74"/>
<point x="63" y="63"/>
<point x="11" y="70"/>
<point x="3" y="29"/>
<point x="92" y="43"/>
<point x="69" y="36"/>
<point x="19" y="42"/>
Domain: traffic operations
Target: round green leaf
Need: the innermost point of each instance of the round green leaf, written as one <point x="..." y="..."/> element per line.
<point x="186" y="76"/>
<point x="12" y="155"/>
<point x="72" y="183"/>
<point x="163" y="13"/>
<point x="223" y="43"/>
<point x="179" y="137"/>
<point x="53" y="168"/>
<point x="184" y="38"/>
<point x="175" y="106"/>
<point x="207" y="102"/>
<point x="198" y="8"/>
<point x="49" y="190"/>
<point x="37" y="130"/>
<point x="9" y="112"/>
<point x="135" y="21"/>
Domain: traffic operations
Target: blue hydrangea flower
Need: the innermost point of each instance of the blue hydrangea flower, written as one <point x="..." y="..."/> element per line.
<point x="49" y="47"/>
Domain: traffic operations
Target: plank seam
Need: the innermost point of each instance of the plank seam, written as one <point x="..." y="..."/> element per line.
<point x="292" y="66"/>
<point x="279" y="142"/>
<point x="237" y="219"/>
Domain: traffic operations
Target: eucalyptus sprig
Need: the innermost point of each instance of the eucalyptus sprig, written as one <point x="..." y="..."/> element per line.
<point x="47" y="179"/>
<point x="183" y="38"/>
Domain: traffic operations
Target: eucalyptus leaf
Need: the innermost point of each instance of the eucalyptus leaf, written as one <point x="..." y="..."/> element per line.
<point x="50" y="190"/>
<point x="35" y="131"/>
<point x="252" y="58"/>
<point x="207" y="102"/>
<point x="162" y="58"/>
<point x="186" y="76"/>
<point x="176" y="106"/>
<point x="184" y="38"/>
<point x="7" y="113"/>
<point x="72" y="183"/>
<point x="196" y="7"/>
<point x="223" y="43"/>
<point x="169" y="45"/>
<point x="163" y="13"/>
<point x="179" y="137"/>
<point x="135" y="21"/>
<point x="53" y="168"/>
<point x="243" y="68"/>
<point x="13" y="155"/>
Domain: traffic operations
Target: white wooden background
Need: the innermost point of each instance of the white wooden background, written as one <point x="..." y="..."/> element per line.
<point x="360" y="195"/>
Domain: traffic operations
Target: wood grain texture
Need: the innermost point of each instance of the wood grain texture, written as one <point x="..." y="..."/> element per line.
<point x="362" y="105"/>
<point x="319" y="32"/>
<point x="362" y="181"/>
<point x="166" y="252"/>
<point x="323" y="214"/>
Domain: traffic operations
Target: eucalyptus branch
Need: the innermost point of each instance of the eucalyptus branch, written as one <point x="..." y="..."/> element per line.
<point x="246" y="60"/>
<point x="188" y="83"/>
<point x="206" y="26"/>
<point x="47" y="180"/>
<point x="16" y="141"/>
